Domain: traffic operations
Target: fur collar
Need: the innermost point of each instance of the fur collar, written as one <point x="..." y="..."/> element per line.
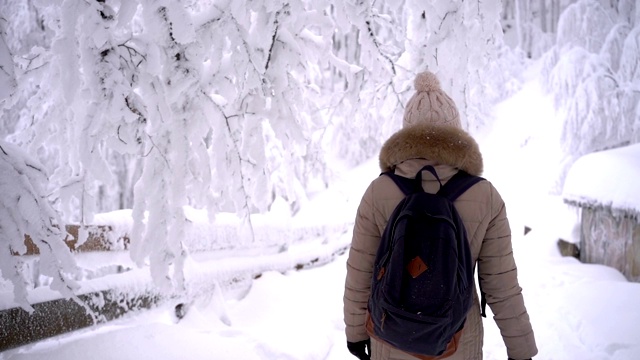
<point x="445" y="145"/>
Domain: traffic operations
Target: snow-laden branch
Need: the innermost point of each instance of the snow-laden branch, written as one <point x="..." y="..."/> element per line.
<point x="7" y="76"/>
<point x="460" y="41"/>
<point x="24" y="210"/>
<point x="373" y="38"/>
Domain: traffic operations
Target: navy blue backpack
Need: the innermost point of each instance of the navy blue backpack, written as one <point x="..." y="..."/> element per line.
<point x="423" y="274"/>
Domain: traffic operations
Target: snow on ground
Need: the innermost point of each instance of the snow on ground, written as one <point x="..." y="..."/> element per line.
<point x="578" y="311"/>
<point x="273" y="321"/>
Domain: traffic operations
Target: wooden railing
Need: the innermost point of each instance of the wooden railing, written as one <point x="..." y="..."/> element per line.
<point x="97" y="240"/>
<point x="49" y="318"/>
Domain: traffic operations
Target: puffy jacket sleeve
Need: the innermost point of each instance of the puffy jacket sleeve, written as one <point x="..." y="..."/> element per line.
<point x="498" y="276"/>
<point x="364" y="245"/>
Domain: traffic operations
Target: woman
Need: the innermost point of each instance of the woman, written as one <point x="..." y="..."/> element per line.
<point x="432" y="135"/>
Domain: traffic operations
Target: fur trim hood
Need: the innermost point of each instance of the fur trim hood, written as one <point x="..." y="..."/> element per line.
<point x="446" y="145"/>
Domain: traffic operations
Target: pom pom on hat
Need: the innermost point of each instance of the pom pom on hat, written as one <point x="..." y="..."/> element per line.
<point x="430" y="105"/>
<point x="426" y="81"/>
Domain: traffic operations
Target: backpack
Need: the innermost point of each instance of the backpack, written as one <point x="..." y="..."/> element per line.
<point x="423" y="281"/>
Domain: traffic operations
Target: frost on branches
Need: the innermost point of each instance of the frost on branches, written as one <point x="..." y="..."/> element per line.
<point x="593" y="72"/>
<point x="212" y="105"/>
<point x="392" y="41"/>
<point x="24" y="209"/>
<point x="7" y="76"/>
<point x="367" y="92"/>
<point x="224" y="105"/>
<point x="459" y="41"/>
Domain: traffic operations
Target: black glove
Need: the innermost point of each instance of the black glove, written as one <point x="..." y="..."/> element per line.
<point x="522" y="359"/>
<point x="360" y="349"/>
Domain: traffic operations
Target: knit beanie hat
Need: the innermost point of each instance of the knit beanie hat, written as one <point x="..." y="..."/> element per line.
<point x="430" y="104"/>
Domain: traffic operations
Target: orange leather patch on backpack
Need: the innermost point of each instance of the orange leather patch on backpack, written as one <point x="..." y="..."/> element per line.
<point x="416" y="266"/>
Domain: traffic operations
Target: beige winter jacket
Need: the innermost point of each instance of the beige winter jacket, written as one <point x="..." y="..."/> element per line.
<point x="483" y="213"/>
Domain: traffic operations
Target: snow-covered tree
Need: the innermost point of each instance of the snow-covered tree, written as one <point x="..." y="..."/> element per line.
<point x="367" y="93"/>
<point x="593" y="72"/>
<point x="530" y="26"/>
<point x="225" y="105"/>
<point x="205" y="104"/>
<point x="25" y="209"/>
<point x="459" y="41"/>
<point x="7" y="76"/>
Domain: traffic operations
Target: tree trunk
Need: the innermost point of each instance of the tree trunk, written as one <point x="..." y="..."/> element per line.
<point x="543" y="15"/>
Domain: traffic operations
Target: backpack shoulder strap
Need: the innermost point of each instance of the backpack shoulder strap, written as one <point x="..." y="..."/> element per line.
<point x="408" y="186"/>
<point x="452" y="189"/>
<point x="458" y="184"/>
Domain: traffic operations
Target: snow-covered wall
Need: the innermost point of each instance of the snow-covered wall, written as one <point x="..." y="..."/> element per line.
<point x="606" y="179"/>
<point x="605" y="185"/>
